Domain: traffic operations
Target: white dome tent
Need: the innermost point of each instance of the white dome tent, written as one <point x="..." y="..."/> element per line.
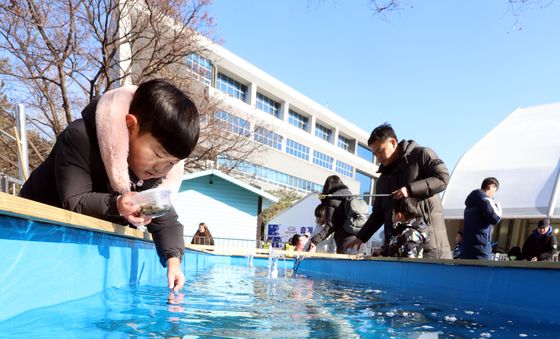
<point x="523" y="153"/>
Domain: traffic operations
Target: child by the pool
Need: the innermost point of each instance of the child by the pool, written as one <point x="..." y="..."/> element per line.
<point x="128" y="140"/>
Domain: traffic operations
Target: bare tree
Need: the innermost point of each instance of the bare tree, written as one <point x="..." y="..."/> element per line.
<point x="517" y="7"/>
<point x="218" y="136"/>
<point x="10" y="154"/>
<point x="63" y="53"/>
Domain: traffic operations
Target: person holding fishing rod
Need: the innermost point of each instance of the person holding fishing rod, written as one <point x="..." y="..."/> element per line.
<point x="407" y="170"/>
<point x="332" y="214"/>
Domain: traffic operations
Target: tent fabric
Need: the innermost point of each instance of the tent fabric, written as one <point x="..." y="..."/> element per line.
<point x="523" y="153"/>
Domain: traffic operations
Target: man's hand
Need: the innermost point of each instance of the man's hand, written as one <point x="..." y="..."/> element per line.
<point x="400" y="193"/>
<point x="355" y="242"/>
<point x="175" y="278"/>
<point x="130" y="210"/>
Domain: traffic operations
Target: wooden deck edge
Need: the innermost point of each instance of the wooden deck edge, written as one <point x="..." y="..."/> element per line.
<point x="31" y="210"/>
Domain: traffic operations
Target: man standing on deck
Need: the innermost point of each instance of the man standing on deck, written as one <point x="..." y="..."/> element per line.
<point x="481" y="213"/>
<point x="407" y="170"/>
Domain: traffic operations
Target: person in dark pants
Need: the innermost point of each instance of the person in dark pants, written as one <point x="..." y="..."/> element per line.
<point x="130" y="139"/>
<point x="481" y="213"/>
<point x="542" y="244"/>
<point x="407" y="170"/>
<point x="333" y="216"/>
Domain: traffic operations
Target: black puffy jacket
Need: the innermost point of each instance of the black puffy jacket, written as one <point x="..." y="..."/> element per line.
<point x="425" y="175"/>
<point x="335" y="214"/>
<point x="73" y="177"/>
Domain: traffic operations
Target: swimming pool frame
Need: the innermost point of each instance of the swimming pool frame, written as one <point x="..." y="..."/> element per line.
<point x="50" y="256"/>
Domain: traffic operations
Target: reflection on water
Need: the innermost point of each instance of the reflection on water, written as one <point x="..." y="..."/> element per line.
<point x="233" y="301"/>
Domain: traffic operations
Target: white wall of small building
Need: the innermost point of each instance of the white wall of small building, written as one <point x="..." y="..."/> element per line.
<point x="228" y="210"/>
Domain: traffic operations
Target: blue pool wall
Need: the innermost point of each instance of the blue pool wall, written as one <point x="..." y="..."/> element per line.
<point x="43" y="264"/>
<point x="512" y="290"/>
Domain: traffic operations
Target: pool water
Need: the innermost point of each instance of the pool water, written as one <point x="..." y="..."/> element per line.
<point x="242" y="301"/>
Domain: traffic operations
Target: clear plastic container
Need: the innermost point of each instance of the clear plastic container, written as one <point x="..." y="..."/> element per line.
<point x="154" y="202"/>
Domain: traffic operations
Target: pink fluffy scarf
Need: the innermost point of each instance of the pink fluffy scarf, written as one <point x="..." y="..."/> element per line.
<point x="112" y="135"/>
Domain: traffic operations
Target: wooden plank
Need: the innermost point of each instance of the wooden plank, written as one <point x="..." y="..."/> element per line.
<point x="32" y="210"/>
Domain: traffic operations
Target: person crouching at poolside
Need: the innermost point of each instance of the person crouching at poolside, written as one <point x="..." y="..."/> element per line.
<point x="128" y="140"/>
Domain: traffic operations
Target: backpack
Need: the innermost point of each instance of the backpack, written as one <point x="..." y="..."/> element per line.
<point x="356" y="214"/>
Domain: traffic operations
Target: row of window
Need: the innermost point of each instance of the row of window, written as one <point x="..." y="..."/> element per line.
<point x="268" y="105"/>
<point x="231" y="87"/>
<point x="203" y="68"/>
<point x="241" y="126"/>
<point x="272" y="176"/>
<point x="233" y="123"/>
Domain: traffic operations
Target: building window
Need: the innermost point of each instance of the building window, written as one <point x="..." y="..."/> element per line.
<point x="298" y="120"/>
<point x="200" y="67"/>
<point x="268" y="138"/>
<point x="344" y="168"/>
<point x="366" y="185"/>
<point x="203" y="118"/>
<point x="231" y="87"/>
<point x="297" y="149"/>
<point x="268" y="105"/>
<point x="270" y="176"/>
<point x="344" y="143"/>
<point x="233" y="123"/>
<point x="323" y="132"/>
<point x="322" y="160"/>
<point x="365" y="153"/>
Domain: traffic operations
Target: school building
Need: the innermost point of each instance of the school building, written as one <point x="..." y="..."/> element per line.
<point x="305" y="141"/>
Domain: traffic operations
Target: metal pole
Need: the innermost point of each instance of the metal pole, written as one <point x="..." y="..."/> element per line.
<point x="22" y="134"/>
<point x="555" y="193"/>
<point x="323" y="196"/>
<point x="3" y="183"/>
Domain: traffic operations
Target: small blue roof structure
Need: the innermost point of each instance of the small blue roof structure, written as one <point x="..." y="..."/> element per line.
<point x="229" y="207"/>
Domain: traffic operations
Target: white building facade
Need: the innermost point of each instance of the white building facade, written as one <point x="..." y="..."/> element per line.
<point x="305" y="142"/>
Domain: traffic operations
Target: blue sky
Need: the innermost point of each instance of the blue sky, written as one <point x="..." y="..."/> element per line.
<point x="443" y="73"/>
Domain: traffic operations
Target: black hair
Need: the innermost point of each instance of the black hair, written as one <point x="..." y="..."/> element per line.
<point x="320" y="212"/>
<point x="489" y="181"/>
<point x="168" y="114"/>
<point x="543" y="223"/>
<point x="295" y="239"/>
<point x="382" y="133"/>
<point x="408" y="207"/>
<point x="332" y="183"/>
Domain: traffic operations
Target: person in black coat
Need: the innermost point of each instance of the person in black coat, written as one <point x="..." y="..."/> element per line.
<point x="542" y="244"/>
<point x="407" y="170"/>
<point x="334" y="215"/>
<point x="130" y="139"/>
<point x="481" y="213"/>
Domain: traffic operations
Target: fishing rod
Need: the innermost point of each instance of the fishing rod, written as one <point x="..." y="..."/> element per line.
<point x="323" y="196"/>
